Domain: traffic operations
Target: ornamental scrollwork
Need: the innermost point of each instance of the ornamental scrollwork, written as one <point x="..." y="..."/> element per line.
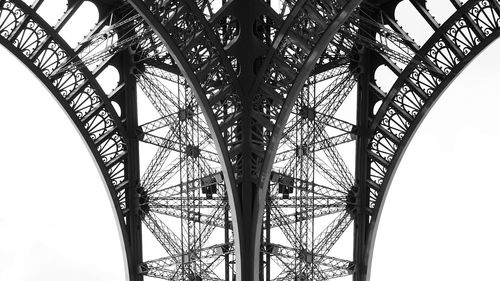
<point x="198" y="56"/>
<point x="68" y="81"/>
<point x="167" y="11"/>
<point x="270" y="104"/>
<point x="111" y="148"/>
<point x="442" y="56"/>
<point x="395" y="123"/>
<point x="10" y="18"/>
<point x="377" y="172"/>
<point x="485" y="16"/>
<point x="373" y="197"/>
<point x="408" y="100"/>
<point x="99" y="124"/>
<point x="213" y="75"/>
<point x="306" y="29"/>
<point x="265" y="29"/>
<point x="463" y="36"/>
<point x="276" y="81"/>
<point x="85" y="101"/>
<point x="185" y="28"/>
<point x="424" y="80"/>
<point x="227" y="29"/>
<point x="381" y="146"/>
<point x="325" y="9"/>
<point x="117" y="173"/>
<point x="30" y="38"/>
<point x="292" y="56"/>
<point x="45" y="51"/>
<point x="50" y="58"/>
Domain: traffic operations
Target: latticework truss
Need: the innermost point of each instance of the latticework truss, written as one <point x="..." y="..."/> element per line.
<point x="250" y="138"/>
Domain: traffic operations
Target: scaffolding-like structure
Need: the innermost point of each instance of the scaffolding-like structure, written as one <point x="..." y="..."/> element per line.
<point x="250" y="138"/>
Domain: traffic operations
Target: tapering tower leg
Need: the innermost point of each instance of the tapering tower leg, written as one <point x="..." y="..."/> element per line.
<point x="133" y="194"/>
<point x="361" y="216"/>
<point x="248" y="50"/>
<point x="367" y="67"/>
<point x="246" y="82"/>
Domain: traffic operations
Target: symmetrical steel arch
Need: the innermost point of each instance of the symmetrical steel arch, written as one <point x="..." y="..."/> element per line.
<point x="248" y="181"/>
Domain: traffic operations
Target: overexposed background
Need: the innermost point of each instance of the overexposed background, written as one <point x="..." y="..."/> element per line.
<point x="439" y="222"/>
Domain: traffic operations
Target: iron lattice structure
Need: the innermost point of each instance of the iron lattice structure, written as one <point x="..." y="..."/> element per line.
<point x="242" y="172"/>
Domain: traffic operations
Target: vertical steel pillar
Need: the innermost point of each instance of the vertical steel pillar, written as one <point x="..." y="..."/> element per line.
<point x="362" y="190"/>
<point x="268" y="239"/>
<point x="248" y="50"/>
<point x="133" y="194"/>
<point x="361" y="216"/>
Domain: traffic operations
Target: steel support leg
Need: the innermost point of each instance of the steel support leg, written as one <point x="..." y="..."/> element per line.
<point x="133" y="217"/>
<point x="362" y="190"/>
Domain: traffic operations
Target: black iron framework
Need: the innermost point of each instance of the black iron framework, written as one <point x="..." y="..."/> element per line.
<point x="249" y="176"/>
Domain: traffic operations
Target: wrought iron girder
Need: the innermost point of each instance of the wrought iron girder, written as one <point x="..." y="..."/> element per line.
<point x="203" y="90"/>
<point x="211" y="73"/>
<point x="201" y="38"/>
<point x="152" y="270"/>
<point x="43" y="50"/>
<point x="336" y="171"/>
<point x="279" y="220"/>
<point x="332" y="97"/>
<point x="416" y="86"/>
<point x="192" y="256"/>
<point x="330" y="121"/>
<point x="313" y="267"/>
<point x="412" y="48"/>
<point x="213" y="219"/>
<point x="453" y="45"/>
<point x="285" y="225"/>
<point x="100" y="46"/>
<point x="174" y="145"/>
<point x="160" y="123"/>
<point x="192" y="185"/>
<point x="160" y="96"/>
<point x="394" y="45"/>
<point x="179" y="202"/>
<point x="208" y="256"/>
<point x="287" y="57"/>
<point x="315" y="146"/>
<point x="165" y="69"/>
<point x="257" y="120"/>
<point x="14" y="31"/>
<point x="166" y="237"/>
<point x="306" y="186"/>
<point x="204" y="219"/>
<point x="332" y="142"/>
<point x="320" y="122"/>
<point x="316" y="202"/>
<point x="325" y="106"/>
<point x="154" y="176"/>
<point x="325" y="241"/>
<point x="306" y="256"/>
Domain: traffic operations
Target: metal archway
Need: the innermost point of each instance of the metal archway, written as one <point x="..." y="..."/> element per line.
<point x="453" y="45"/>
<point x="26" y="35"/>
<point x="246" y="97"/>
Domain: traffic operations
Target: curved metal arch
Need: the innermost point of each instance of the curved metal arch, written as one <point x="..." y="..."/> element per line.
<point x="167" y="32"/>
<point x="190" y="75"/>
<point x="78" y="93"/>
<point x="298" y="84"/>
<point x="330" y="29"/>
<point x="463" y="36"/>
<point x="413" y="83"/>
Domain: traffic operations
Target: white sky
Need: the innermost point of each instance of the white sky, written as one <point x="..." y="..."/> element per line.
<point x="439" y="221"/>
